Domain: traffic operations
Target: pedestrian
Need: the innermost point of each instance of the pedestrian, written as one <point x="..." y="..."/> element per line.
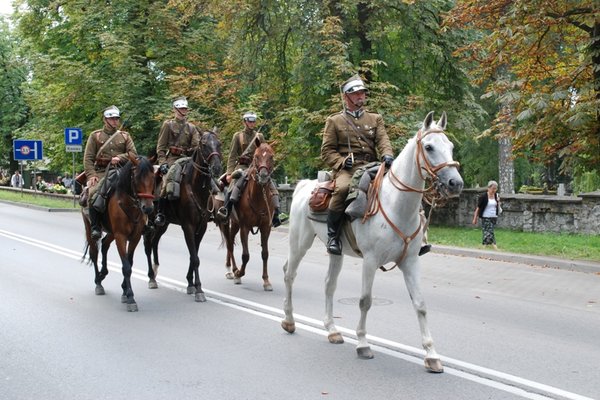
<point x="177" y="138"/>
<point x="68" y="182"/>
<point x="104" y="147"/>
<point x="241" y="154"/>
<point x="352" y="138"/>
<point x="16" y="180"/>
<point x="488" y="209"/>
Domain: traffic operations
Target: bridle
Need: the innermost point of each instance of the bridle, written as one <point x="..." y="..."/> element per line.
<point x="203" y="167"/>
<point x="431" y="193"/>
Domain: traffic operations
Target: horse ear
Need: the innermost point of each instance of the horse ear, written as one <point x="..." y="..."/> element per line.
<point x="428" y="120"/>
<point x="215" y="130"/>
<point x="443" y="121"/>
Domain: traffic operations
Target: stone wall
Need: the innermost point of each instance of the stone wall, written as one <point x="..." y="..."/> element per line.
<point x="522" y="212"/>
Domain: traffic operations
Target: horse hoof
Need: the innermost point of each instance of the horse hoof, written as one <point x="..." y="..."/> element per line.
<point x="229" y="275"/>
<point x="200" y="297"/>
<point x="100" y="290"/>
<point x="123" y="299"/>
<point x="289" y="327"/>
<point x="268" y="287"/>
<point x="365" y="353"/>
<point x="191" y="290"/>
<point x="237" y="281"/>
<point x="132" y="307"/>
<point x="434" y="365"/>
<point x="335" y="338"/>
<point x="152" y="284"/>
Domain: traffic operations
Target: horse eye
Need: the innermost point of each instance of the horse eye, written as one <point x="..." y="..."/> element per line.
<point x="428" y="147"/>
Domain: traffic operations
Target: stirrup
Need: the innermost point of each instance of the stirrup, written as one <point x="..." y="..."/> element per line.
<point x="425" y="249"/>
<point x="96" y="234"/>
<point x="222" y="212"/>
<point x="159" y="220"/>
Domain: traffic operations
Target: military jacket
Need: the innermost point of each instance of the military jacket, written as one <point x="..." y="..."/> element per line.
<point x="175" y="140"/>
<point x="95" y="161"/>
<point x="242" y="149"/>
<point x="365" y="137"/>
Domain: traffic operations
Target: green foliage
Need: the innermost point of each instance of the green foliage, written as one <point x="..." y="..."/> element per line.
<point x="586" y="182"/>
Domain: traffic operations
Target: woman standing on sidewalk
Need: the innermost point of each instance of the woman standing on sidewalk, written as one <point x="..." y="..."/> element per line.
<point x="487" y="209"/>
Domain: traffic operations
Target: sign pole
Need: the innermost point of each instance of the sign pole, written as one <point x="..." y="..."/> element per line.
<point x="22" y="182"/>
<point x="73" y="180"/>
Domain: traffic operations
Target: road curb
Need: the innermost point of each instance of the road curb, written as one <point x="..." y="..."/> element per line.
<point x="545" y="262"/>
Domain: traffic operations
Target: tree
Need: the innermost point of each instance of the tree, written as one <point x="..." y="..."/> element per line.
<point x="13" y="110"/>
<point x="542" y="60"/>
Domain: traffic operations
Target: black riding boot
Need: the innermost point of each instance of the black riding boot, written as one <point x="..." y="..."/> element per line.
<point x="334" y="223"/>
<point x="159" y="220"/>
<point x="96" y="232"/>
<point x="276" y="221"/>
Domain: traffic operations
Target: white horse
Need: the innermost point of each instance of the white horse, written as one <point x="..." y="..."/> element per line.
<point x="392" y="234"/>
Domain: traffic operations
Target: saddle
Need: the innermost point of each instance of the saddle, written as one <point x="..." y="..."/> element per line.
<point x="356" y="201"/>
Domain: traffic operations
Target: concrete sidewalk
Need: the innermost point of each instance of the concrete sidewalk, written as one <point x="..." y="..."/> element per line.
<point x="498" y="255"/>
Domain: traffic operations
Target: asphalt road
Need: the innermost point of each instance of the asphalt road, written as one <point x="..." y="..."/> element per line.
<point x="504" y="330"/>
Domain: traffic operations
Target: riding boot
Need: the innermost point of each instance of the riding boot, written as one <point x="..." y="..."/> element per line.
<point x="96" y="232"/>
<point x="159" y="220"/>
<point x="334" y="222"/>
<point x="275" y="201"/>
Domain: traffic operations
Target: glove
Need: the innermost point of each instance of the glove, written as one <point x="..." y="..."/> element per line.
<point x="164" y="168"/>
<point x="348" y="163"/>
<point x="387" y="160"/>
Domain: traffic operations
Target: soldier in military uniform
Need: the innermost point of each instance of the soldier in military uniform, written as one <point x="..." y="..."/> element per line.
<point x="177" y="138"/>
<point x="105" y="146"/>
<point x="352" y="138"/>
<point x="240" y="157"/>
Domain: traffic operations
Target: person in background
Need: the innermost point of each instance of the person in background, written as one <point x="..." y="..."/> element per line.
<point x="240" y="158"/>
<point x="16" y="180"/>
<point x="105" y="146"/>
<point x="177" y="138"/>
<point x="488" y="205"/>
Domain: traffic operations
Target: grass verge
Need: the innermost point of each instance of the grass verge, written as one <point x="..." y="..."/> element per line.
<point x="568" y="246"/>
<point x="37" y="199"/>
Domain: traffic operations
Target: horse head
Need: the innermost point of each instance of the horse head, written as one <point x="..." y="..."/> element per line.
<point x="208" y="154"/>
<point x="263" y="161"/>
<point x="434" y="157"/>
<point x="142" y="182"/>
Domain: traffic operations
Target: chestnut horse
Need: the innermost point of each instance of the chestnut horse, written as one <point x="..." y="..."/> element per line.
<point x="124" y="220"/>
<point x="254" y="209"/>
<point x="191" y="211"/>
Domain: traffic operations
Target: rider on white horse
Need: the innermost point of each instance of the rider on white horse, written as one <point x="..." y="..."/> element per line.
<point x="352" y="138"/>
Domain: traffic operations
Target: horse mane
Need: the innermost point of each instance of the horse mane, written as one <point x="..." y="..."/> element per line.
<point x="124" y="182"/>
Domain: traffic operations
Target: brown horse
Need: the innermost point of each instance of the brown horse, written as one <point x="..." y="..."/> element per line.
<point x="253" y="210"/>
<point x="124" y="220"/>
<point x="191" y="211"/>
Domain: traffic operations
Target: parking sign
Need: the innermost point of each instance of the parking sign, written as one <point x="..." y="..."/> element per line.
<point x="73" y="139"/>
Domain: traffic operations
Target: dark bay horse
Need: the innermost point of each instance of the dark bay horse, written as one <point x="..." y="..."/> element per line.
<point x="124" y="220"/>
<point x="191" y="211"/>
<point x="253" y="210"/>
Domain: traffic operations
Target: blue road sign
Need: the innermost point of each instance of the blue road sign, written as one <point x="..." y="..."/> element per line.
<point x="73" y="136"/>
<point x="27" y="149"/>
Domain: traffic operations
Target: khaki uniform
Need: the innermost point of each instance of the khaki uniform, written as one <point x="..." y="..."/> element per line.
<point x="242" y="150"/>
<point x="95" y="163"/>
<point x="365" y="137"/>
<point x="175" y="140"/>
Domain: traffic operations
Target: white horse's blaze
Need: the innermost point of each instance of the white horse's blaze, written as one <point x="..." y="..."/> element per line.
<point x="427" y="155"/>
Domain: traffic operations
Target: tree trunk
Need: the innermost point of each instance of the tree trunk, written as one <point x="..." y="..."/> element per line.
<point x="506" y="167"/>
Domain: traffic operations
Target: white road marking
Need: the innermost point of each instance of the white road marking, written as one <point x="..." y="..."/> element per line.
<point x="485" y="376"/>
